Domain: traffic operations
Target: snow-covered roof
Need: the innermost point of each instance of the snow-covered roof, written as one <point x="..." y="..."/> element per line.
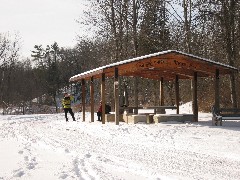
<point x="166" y="64"/>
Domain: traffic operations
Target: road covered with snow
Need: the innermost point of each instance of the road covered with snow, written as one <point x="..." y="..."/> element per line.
<point x="46" y="147"/>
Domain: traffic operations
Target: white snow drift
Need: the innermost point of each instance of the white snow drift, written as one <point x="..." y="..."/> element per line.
<point x="46" y="147"/>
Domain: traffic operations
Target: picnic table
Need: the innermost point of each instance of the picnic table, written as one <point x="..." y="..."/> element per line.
<point x="129" y="109"/>
<point x="148" y="111"/>
<point x="160" y="109"/>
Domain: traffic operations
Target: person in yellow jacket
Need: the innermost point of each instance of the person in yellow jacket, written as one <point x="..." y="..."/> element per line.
<point x="66" y="104"/>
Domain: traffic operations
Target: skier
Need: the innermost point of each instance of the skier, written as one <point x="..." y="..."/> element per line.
<point x="66" y="103"/>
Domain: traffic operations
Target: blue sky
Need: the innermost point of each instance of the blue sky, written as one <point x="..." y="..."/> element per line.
<point x="41" y="21"/>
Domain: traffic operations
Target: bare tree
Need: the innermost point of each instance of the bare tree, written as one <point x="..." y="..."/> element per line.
<point x="224" y="16"/>
<point x="9" y="54"/>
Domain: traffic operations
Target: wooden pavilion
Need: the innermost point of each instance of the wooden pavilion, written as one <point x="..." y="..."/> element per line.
<point x="168" y="65"/>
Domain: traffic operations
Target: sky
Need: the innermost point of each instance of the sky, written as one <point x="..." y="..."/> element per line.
<point x="44" y="146"/>
<point x="41" y="21"/>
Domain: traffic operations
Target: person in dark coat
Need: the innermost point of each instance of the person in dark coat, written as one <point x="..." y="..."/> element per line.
<point x="99" y="112"/>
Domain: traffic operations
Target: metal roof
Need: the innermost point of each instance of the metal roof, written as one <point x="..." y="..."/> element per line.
<point x="166" y="64"/>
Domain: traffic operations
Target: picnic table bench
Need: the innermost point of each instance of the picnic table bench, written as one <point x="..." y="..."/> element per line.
<point x="150" y="111"/>
<point x="224" y="114"/>
<point x="149" y="114"/>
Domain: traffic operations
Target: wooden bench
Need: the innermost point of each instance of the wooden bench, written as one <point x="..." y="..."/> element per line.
<point x="224" y="114"/>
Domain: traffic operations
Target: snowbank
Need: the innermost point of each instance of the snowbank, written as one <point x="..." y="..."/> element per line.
<point x="46" y="147"/>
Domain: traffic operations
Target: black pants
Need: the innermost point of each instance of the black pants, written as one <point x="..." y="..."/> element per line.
<point x="99" y="114"/>
<point x="66" y="110"/>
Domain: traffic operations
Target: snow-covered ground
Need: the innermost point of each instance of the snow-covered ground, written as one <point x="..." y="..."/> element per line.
<point x="36" y="147"/>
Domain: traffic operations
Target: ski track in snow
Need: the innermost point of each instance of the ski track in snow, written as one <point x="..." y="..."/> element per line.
<point x="91" y="151"/>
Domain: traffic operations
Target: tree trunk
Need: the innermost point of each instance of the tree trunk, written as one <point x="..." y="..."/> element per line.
<point x="228" y="24"/>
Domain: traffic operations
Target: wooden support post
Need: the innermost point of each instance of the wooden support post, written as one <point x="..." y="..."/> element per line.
<point x="217" y="90"/>
<point x="103" y="97"/>
<point x="83" y="100"/>
<point x="177" y="93"/>
<point x="125" y="94"/>
<point x="92" y="99"/>
<point x="116" y="96"/>
<point x="155" y="93"/>
<point x="161" y="92"/>
<point x="121" y="86"/>
<point x="135" y="95"/>
<point x="195" y="100"/>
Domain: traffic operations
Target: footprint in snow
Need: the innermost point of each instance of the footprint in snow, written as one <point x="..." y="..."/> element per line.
<point x="20" y="152"/>
<point x="31" y="165"/>
<point x="18" y="173"/>
<point x="88" y="155"/>
<point x="63" y="176"/>
<point x="67" y="150"/>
